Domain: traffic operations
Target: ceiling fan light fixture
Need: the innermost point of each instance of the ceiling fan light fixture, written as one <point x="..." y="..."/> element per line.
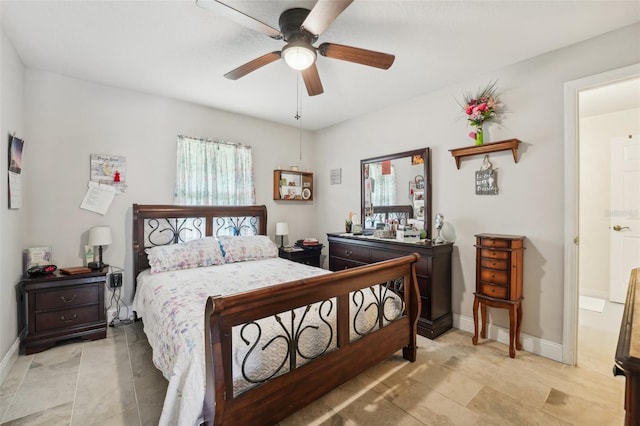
<point x="299" y="56"/>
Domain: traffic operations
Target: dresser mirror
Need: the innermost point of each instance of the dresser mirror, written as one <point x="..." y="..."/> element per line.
<point x="396" y="187"/>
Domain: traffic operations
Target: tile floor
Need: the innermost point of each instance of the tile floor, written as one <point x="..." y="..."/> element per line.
<point x="113" y="382"/>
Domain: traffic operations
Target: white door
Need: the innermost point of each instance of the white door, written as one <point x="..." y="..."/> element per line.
<point x="624" y="214"/>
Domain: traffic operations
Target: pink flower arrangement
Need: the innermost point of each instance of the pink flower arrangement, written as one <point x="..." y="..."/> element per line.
<point x="481" y="107"/>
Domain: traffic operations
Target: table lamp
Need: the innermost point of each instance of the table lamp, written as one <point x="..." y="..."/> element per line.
<point x="99" y="236"/>
<point x="282" y="229"/>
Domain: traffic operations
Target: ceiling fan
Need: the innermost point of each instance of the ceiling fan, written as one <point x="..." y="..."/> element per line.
<point x="300" y="28"/>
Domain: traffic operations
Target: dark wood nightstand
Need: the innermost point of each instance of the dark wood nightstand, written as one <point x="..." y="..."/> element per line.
<point x="56" y="307"/>
<point x="307" y="256"/>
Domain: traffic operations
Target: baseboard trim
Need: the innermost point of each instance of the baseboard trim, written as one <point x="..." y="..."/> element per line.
<point x="536" y="345"/>
<point x="7" y="362"/>
<point x="594" y="293"/>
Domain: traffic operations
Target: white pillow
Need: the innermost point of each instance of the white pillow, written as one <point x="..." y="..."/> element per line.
<point x="192" y="254"/>
<point x="247" y="247"/>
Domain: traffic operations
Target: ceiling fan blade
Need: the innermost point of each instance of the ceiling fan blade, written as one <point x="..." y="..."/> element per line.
<point x="357" y="55"/>
<point x="251" y="66"/>
<point x="312" y="80"/>
<point x="323" y="14"/>
<point x="239" y="17"/>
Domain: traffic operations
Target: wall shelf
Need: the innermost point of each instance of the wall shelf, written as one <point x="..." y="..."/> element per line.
<point x="292" y="185"/>
<point x="510" y="144"/>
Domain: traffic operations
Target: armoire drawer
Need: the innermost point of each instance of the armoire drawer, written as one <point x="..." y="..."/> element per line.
<point x="502" y="265"/>
<point x="492" y="290"/>
<point x="494" y="276"/>
<point x="494" y="254"/>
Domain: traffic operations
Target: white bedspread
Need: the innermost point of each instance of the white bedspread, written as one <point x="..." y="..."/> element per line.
<point x="172" y="305"/>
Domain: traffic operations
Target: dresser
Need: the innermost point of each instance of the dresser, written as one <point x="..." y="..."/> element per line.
<point x="55" y="307"/>
<point x="499" y="265"/>
<point x="433" y="272"/>
<point x="627" y="360"/>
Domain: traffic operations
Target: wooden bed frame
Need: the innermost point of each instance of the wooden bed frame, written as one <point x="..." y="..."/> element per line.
<point x="278" y="397"/>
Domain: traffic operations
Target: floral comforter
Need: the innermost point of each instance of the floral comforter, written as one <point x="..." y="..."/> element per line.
<point x="171" y="305"/>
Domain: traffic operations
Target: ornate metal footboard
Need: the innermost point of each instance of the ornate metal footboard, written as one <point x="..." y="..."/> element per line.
<point x="327" y="310"/>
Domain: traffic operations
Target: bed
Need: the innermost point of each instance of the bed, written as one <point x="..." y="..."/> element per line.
<point x="253" y="338"/>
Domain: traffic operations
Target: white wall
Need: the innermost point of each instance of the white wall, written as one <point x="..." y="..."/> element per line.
<point x="68" y="120"/>
<point x="596" y="133"/>
<point x="530" y="201"/>
<point x="12" y="222"/>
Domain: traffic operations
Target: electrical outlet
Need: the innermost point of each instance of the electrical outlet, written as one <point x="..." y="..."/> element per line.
<point x="115" y="280"/>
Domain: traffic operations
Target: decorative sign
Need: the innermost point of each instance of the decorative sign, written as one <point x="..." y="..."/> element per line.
<point x="486" y="179"/>
<point x="109" y="170"/>
<point x="15" y="170"/>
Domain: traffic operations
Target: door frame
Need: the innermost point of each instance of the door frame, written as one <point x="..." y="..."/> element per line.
<point x="571" y="192"/>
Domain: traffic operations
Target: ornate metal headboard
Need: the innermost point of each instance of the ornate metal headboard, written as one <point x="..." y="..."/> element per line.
<point x="401" y="213"/>
<point x="156" y="225"/>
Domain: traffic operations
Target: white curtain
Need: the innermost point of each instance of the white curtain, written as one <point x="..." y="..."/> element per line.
<point x="213" y="173"/>
<point x="384" y="187"/>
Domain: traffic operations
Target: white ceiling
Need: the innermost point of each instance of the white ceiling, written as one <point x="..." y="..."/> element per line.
<point x="179" y="50"/>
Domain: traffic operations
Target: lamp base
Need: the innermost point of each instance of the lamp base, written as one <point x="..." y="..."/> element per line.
<point x="96" y="266"/>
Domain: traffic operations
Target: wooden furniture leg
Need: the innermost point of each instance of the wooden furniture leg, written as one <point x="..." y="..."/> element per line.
<point x="519" y="327"/>
<point x="513" y="320"/>
<point x="483" y="312"/>
<point x="475" y="320"/>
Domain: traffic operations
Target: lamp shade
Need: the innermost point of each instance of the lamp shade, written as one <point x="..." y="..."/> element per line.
<point x="100" y="236"/>
<point x="299" y="56"/>
<point x="282" y="228"/>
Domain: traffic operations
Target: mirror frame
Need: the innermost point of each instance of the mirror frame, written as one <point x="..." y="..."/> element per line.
<point x="426" y="154"/>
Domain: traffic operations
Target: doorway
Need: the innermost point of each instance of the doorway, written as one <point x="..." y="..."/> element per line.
<point x="592" y="330"/>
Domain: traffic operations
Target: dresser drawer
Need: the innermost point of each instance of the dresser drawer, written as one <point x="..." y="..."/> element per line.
<point x="380" y="255"/>
<point x="490" y="242"/>
<point x="66" y="297"/>
<point x="494" y="254"/>
<point x="338" y="264"/>
<point x="53" y="320"/>
<point x="494" y="291"/>
<point x="494" y="276"/>
<point x="351" y="252"/>
<point x="494" y="264"/>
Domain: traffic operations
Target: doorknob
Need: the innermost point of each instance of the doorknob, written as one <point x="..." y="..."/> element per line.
<point x="620" y="228"/>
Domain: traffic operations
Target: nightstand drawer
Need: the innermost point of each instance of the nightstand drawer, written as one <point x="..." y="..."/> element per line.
<point x="494" y="276"/>
<point x="494" y="254"/>
<point x="350" y="251"/>
<point x="67" y="318"/>
<point x="495" y="291"/>
<point x="70" y="296"/>
<point x="494" y="264"/>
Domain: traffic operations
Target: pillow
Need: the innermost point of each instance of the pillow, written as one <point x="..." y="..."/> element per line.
<point x="192" y="254"/>
<point x="247" y="247"/>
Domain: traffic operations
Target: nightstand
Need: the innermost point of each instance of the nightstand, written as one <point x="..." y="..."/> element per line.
<point x="56" y="307"/>
<point x="308" y="256"/>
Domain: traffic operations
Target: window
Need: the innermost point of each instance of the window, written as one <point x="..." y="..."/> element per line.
<point x="213" y="173"/>
<point x="384" y="189"/>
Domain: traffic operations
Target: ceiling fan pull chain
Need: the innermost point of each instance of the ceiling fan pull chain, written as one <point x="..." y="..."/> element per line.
<point x="298" y="116"/>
